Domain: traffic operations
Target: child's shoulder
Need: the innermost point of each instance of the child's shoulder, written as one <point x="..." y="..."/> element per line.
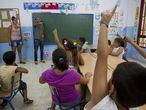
<point x="71" y="71"/>
<point x="50" y="70"/>
<point x="8" y="67"/>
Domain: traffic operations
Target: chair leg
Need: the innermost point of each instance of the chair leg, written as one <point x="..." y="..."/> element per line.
<point x="21" y="93"/>
<point x="11" y="105"/>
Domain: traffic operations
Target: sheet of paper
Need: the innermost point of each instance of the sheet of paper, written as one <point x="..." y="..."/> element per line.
<point x="26" y="34"/>
<point x="12" y="13"/>
<point x="16" y="10"/>
<point x="6" y="24"/>
<point x="4" y="14"/>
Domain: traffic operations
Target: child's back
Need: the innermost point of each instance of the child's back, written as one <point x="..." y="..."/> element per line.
<point x="63" y="79"/>
<point x="65" y="84"/>
<point x="6" y="73"/>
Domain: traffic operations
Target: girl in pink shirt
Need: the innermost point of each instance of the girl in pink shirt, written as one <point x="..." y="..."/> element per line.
<point x="63" y="79"/>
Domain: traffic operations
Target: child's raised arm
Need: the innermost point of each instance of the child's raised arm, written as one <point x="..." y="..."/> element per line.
<point x="56" y="38"/>
<point x="128" y="39"/>
<point x="100" y="84"/>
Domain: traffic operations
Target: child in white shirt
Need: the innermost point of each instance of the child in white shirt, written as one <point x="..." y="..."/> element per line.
<point x="117" y="48"/>
<point x="126" y="88"/>
<point x="84" y="45"/>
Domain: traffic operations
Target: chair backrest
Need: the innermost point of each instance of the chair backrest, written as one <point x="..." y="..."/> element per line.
<point x="13" y="83"/>
<point x="54" y="93"/>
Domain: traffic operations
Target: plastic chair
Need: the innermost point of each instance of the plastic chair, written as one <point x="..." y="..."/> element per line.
<point x="58" y="101"/>
<point x="12" y="92"/>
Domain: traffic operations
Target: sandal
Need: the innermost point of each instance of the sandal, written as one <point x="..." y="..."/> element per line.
<point x="22" y="62"/>
<point x="36" y="62"/>
<point x="28" y="101"/>
<point x="42" y="61"/>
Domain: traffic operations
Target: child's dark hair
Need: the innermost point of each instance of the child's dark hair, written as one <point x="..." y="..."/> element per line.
<point x="60" y="59"/>
<point x="120" y="41"/>
<point x="13" y="18"/>
<point x="129" y="80"/>
<point x="109" y="42"/>
<point x="82" y="39"/>
<point x="64" y="42"/>
<point x="9" y="57"/>
<point x="72" y="46"/>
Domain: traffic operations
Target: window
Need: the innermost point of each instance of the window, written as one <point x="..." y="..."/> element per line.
<point x="142" y="25"/>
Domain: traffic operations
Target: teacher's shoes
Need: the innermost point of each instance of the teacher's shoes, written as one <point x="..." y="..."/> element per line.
<point x="42" y="61"/>
<point x="22" y="62"/>
<point x="36" y="62"/>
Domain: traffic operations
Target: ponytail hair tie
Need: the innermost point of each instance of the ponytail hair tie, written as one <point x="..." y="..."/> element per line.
<point x="61" y="59"/>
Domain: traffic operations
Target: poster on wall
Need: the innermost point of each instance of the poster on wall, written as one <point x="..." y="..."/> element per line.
<point x="6" y="24"/>
<point x="114" y="24"/>
<point x="12" y="13"/>
<point x="142" y="42"/>
<point x="136" y="12"/>
<point x="4" y="15"/>
<point x="26" y="34"/>
<point x="48" y="6"/>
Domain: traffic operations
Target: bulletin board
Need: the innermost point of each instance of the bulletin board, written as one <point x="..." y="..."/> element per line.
<point x="5" y="21"/>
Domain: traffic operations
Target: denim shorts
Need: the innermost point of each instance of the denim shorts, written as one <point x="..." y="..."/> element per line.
<point x="15" y="43"/>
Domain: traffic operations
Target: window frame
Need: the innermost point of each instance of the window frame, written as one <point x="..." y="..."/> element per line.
<point x="140" y="27"/>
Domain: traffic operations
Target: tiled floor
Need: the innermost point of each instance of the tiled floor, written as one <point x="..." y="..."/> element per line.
<point x="39" y="93"/>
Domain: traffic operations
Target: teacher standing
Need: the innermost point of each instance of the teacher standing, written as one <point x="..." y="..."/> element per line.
<point x="16" y="38"/>
<point x="38" y="40"/>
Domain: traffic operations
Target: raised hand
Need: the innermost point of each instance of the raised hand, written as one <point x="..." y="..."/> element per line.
<point x="55" y="31"/>
<point x="106" y="16"/>
<point x="88" y="75"/>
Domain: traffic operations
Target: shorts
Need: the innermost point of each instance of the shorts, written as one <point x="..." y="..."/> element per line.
<point x="22" y="85"/>
<point x="16" y="43"/>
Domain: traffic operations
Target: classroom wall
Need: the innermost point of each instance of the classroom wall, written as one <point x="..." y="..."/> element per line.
<point x="132" y="53"/>
<point x="83" y="6"/>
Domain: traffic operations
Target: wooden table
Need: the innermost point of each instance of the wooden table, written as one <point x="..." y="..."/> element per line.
<point x="89" y="66"/>
<point x="90" y="60"/>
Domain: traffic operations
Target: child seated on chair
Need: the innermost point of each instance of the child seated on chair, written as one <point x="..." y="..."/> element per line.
<point x="9" y="70"/>
<point x="117" y="48"/>
<point x="84" y="45"/>
<point x="73" y="55"/>
<point x="63" y="79"/>
<point x="126" y="89"/>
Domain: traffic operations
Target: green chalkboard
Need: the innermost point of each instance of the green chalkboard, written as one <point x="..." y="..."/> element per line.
<point x="71" y="26"/>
